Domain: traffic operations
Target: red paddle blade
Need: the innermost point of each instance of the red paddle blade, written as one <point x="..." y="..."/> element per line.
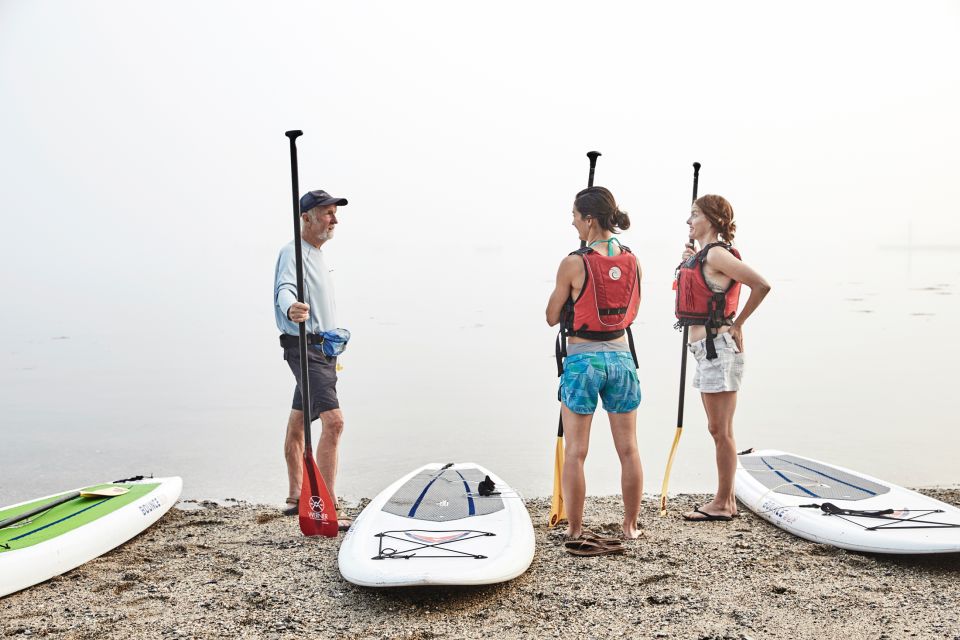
<point x="318" y="512"/>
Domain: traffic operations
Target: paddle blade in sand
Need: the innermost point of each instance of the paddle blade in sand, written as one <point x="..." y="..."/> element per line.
<point x="318" y="513"/>
<point x="557" y="515"/>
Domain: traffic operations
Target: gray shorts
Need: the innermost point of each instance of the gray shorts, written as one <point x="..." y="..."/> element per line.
<point x="725" y="372"/>
<point x="323" y="380"/>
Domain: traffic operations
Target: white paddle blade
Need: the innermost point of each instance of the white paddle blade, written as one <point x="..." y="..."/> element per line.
<point x="105" y="492"/>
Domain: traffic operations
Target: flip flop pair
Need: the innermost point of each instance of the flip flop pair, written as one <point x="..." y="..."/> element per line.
<point x="590" y="544"/>
<point x="707" y="517"/>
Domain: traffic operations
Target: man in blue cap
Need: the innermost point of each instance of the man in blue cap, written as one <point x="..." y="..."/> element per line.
<point x="318" y="221"/>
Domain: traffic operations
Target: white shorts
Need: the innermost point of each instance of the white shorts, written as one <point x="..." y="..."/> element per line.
<point x="723" y="373"/>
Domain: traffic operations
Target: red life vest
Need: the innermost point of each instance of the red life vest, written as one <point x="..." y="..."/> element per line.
<point x="696" y="302"/>
<point x="607" y="303"/>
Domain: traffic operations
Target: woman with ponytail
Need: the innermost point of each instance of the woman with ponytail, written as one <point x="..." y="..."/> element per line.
<point x="595" y="300"/>
<point x="708" y="291"/>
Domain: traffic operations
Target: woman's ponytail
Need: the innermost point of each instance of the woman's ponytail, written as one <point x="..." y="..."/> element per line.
<point x="598" y="203"/>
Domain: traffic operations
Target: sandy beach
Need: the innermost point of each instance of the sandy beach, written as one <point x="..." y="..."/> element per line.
<point x="239" y="570"/>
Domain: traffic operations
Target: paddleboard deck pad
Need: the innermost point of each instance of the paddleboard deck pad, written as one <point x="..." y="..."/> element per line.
<point x="434" y="527"/>
<point x="832" y="505"/>
<point x="69" y="534"/>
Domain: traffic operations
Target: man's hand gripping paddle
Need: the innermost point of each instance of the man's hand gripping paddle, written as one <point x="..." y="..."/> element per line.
<point x="318" y="512"/>
<point x="557" y="514"/>
<point x="683" y="384"/>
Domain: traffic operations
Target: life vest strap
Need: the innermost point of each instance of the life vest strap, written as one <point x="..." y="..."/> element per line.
<point x="715" y="314"/>
<point x="615" y="311"/>
<point x="711" y="348"/>
<point x="560" y="350"/>
<point x="633" y="350"/>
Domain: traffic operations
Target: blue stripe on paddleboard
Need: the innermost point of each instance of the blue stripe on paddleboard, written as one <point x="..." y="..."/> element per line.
<point x="873" y="493"/>
<point x="24" y="535"/>
<point x="416" y="505"/>
<point x="466" y="488"/>
<point x="777" y="471"/>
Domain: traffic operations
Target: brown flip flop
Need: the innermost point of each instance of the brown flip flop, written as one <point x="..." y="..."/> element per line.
<point x="589" y="535"/>
<point x="707" y="517"/>
<point x="588" y="547"/>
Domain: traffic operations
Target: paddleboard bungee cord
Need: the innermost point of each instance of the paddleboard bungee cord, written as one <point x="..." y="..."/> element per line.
<point x="434" y="514"/>
<point x="849" y="509"/>
<point x="830" y="509"/>
<point x="461" y="535"/>
<point x="485" y="491"/>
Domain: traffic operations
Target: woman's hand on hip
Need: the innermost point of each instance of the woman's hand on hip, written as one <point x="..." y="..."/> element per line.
<point x="736" y="332"/>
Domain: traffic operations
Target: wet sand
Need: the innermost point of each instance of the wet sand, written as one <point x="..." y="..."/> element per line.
<point x="217" y="571"/>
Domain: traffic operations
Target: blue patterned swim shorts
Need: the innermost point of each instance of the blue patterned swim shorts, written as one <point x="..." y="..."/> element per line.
<point x="609" y="374"/>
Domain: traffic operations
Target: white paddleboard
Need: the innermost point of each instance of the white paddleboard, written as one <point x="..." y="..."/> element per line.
<point x="78" y="529"/>
<point x="432" y="527"/>
<point x="844" y="508"/>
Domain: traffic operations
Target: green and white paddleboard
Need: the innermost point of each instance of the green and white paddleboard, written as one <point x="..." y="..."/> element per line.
<point x="80" y="526"/>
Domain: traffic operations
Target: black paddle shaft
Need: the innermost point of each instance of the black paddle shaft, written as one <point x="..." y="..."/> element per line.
<point x="304" y="368"/>
<point x="44" y="507"/>
<point x="593" y="155"/>
<point x="683" y="346"/>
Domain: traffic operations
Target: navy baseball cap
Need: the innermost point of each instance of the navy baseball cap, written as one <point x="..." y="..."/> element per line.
<point x="319" y="198"/>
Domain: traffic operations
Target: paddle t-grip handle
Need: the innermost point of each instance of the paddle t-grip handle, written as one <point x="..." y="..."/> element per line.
<point x="696" y="179"/>
<point x="592" y="155"/>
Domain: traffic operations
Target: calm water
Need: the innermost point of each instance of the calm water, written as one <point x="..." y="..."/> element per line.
<point x="851" y="361"/>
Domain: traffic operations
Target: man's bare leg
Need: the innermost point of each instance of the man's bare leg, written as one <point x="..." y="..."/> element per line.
<point x="332" y="428"/>
<point x="327" y="448"/>
<point x="293" y="452"/>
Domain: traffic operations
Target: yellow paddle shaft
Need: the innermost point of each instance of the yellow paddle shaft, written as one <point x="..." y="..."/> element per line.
<point x="557" y="514"/>
<point x="666" y="473"/>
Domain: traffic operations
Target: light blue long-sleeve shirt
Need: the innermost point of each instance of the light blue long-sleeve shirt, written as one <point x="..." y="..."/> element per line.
<point x="319" y="290"/>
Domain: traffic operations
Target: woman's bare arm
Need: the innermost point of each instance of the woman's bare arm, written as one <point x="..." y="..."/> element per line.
<point x="569" y="270"/>
<point x="727" y="264"/>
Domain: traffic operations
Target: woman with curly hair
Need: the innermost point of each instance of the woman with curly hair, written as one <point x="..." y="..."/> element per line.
<point x="708" y="292"/>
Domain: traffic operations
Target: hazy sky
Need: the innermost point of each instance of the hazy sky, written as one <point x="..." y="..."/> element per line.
<point x="145" y="180"/>
<point x="143" y="143"/>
